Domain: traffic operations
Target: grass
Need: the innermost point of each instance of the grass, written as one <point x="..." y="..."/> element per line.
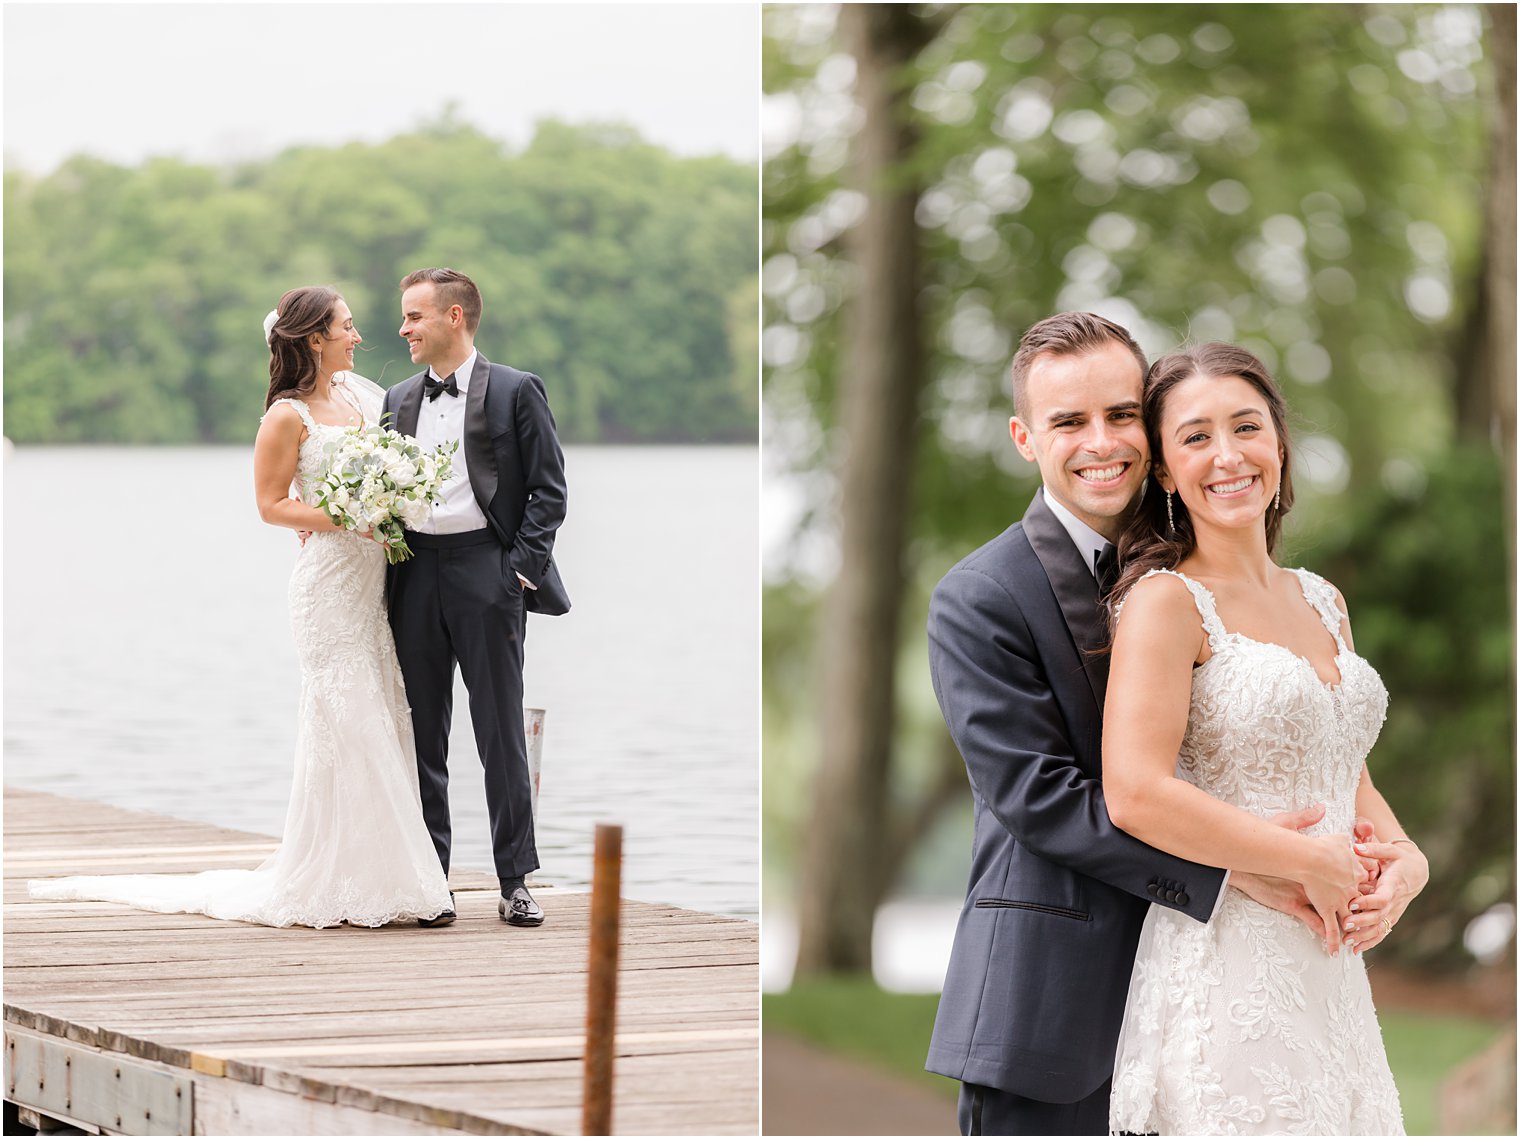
<point x="1423" y="1048"/>
<point x="891" y="1031"/>
<point x="852" y="1016"/>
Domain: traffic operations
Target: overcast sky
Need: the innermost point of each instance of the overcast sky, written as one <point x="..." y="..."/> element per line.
<point x="218" y="82"/>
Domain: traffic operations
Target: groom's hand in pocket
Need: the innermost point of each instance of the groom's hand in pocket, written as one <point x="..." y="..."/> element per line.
<point x="1282" y="894"/>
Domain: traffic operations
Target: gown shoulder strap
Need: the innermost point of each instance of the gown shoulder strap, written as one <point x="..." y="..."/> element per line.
<point x="301" y="409"/>
<point x="1203" y="600"/>
<point x="1320" y="595"/>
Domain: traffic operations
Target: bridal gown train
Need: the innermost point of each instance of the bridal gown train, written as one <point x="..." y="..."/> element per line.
<point x="1246" y="1025"/>
<point x="355" y="846"/>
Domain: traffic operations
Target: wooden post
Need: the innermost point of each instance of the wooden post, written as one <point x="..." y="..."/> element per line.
<point x="601" y="981"/>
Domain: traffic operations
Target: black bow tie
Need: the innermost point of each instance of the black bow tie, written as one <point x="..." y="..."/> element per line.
<point x="1106" y="563"/>
<point x="435" y="388"/>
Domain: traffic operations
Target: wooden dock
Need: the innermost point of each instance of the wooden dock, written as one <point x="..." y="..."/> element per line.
<point x="125" y="1021"/>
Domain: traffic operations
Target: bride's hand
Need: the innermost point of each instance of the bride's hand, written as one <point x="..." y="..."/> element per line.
<point x="1332" y="882"/>
<point x="1405" y="873"/>
<point x="1361" y="831"/>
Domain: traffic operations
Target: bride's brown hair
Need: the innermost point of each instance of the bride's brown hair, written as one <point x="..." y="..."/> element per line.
<point x="292" y="364"/>
<point x="1149" y="541"/>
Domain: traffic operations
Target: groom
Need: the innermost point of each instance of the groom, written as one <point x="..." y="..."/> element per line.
<point x="1035" y="991"/>
<point x="480" y="562"/>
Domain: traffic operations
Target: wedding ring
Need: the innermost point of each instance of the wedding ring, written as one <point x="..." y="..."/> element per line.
<point x="1387" y="926"/>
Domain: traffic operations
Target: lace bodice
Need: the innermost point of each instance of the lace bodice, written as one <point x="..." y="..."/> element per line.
<point x="1265" y="732"/>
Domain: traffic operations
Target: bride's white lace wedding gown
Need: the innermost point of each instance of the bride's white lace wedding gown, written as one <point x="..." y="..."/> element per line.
<point x="1246" y="1025"/>
<point x="355" y="846"/>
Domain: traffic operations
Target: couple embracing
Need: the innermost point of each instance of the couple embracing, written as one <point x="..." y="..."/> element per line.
<point x="367" y="833"/>
<point x="1179" y="856"/>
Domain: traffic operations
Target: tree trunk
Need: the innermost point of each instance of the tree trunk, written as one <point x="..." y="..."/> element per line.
<point x="1499" y="240"/>
<point x="882" y="375"/>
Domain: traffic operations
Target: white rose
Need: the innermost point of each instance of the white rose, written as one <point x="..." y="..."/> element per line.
<point x="402" y="473"/>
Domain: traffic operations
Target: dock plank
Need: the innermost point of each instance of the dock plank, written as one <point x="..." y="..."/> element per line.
<point x="474" y="1028"/>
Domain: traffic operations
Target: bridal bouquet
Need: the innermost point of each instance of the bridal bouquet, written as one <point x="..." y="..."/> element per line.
<point x="379" y="480"/>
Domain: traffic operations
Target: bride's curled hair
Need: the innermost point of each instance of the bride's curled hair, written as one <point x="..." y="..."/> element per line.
<point x="292" y="364"/>
<point x="1148" y="542"/>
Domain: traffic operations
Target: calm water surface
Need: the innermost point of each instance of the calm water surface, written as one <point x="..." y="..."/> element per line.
<point x="149" y="661"/>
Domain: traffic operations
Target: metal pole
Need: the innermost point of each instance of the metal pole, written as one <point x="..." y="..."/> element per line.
<point x="601" y="981"/>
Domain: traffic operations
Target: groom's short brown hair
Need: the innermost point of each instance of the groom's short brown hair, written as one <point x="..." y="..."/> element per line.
<point x="1066" y="334"/>
<point x="453" y="288"/>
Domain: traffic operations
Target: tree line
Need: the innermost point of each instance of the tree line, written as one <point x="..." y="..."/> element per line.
<point x="623" y="274"/>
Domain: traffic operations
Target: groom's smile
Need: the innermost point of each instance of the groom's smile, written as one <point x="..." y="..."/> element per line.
<point x="1103" y="476"/>
<point x="1080" y="423"/>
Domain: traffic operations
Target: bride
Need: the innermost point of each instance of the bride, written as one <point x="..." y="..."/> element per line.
<point x="1235" y="693"/>
<point x="355" y="848"/>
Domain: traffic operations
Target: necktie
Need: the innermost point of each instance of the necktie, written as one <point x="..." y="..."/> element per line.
<point x="1107" y="564"/>
<point x="435" y="388"/>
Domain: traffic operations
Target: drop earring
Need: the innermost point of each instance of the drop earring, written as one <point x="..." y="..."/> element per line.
<point x="1277" y="498"/>
<point x="1171" y="523"/>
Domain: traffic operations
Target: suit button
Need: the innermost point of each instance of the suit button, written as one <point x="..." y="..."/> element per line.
<point x="1152" y="888"/>
<point x="1182" y="898"/>
<point x="1171" y="895"/>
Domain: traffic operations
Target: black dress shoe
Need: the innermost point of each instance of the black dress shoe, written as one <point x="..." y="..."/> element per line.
<point x="519" y="908"/>
<point x="442" y="919"/>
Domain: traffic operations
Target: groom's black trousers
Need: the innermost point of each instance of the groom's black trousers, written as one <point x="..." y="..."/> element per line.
<point x="992" y="1111"/>
<point x="456" y="600"/>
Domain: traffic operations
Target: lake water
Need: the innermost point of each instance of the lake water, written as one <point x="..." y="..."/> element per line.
<point x="149" y="661"/>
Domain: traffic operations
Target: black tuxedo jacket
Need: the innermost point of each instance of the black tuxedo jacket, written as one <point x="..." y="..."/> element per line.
<point x="517" y="469"/>
<point x="1038" y="975"/>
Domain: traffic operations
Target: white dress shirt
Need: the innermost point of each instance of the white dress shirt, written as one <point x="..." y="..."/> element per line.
<point x="1087" y="540"/>
<point x="441" y="421"/>
<point x="1090" y="544"/>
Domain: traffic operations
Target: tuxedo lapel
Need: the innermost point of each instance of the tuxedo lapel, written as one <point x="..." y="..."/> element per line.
<point x="477" y="436"/>
<point x="410" y="407"/>
<point x="1075" y="588"/>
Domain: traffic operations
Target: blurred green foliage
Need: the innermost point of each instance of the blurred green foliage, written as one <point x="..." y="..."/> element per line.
<point x="1422" y="570"/>
<point x="1305" y="180"/>
<point x="612" y="267"/>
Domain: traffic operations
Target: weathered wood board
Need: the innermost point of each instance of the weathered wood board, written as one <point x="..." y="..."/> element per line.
<point x="474" y="1028"/>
